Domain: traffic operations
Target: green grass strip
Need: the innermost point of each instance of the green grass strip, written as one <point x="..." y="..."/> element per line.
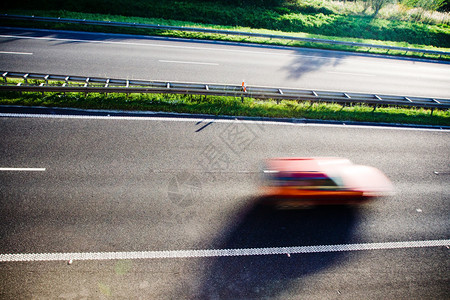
<point x="231" y="106"/>
<point x="218" y="37"/>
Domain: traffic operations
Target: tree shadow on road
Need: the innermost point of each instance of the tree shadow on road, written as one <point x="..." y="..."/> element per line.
<point x="244" y="277"/>
<point x="302" y="64"/>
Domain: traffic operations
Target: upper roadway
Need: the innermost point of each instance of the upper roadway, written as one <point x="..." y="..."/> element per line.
<point x="168" y="59"/>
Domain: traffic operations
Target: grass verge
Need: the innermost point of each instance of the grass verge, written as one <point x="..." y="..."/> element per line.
<point x="311" y="16"/>
<point x="233" y="106"/>
<point x="221" y="37"/>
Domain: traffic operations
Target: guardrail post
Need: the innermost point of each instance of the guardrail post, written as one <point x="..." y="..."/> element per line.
<point x="42" y="84"/>
<point x="86" y="85"/>
<point x="65" y="84"/>
<point x="207" y="89"/>
<point x="106" y="85"/>
<point x="4" y="78"/>
<point x="25" y="79"/>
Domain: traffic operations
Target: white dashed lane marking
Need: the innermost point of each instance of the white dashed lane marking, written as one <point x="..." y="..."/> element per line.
<point x="22" y="169"/>
<point x="188" y="62"/>
<point x="352" y="74"/>
<point x="16" y="53"/>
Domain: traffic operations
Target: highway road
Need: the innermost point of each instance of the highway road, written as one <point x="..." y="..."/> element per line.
<point x="128" y="186"/>
<point x="168" y="59"/>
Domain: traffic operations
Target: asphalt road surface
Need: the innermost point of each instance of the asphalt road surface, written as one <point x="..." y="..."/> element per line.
<point x="135" y="57"/>
<point x="125" y="185"/>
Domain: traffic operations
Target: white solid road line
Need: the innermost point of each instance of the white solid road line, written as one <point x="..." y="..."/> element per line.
<point x="218" y="252"/>
<point x="17" y="53"/>
<point x="23" y="169"/>
<point x="181" y="118"/>
<point x="187" y="62"/>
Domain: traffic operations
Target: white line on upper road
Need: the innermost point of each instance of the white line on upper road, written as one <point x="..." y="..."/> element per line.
<point x="23" y="169"/>
<point x="17" y="53"/>
<point x="187" y="62"/>
<point x="218" y="252"/>
<point x="352" y="74"/>
<point x="158" y="45"/>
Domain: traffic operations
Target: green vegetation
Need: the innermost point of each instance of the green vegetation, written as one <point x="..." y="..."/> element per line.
<point x="233" y="106"/>
<point x="206" y="36"/>
<point x="317" y="17"/>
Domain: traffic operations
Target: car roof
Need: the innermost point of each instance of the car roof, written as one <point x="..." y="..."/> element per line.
<point x="304" y="164"/>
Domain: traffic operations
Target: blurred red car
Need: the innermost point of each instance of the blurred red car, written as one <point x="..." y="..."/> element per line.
<point x="316" y="181"/>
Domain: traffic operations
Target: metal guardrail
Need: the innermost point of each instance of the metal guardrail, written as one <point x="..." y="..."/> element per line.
<point x="217" y="31"/>
<point x="32" y="82"/>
